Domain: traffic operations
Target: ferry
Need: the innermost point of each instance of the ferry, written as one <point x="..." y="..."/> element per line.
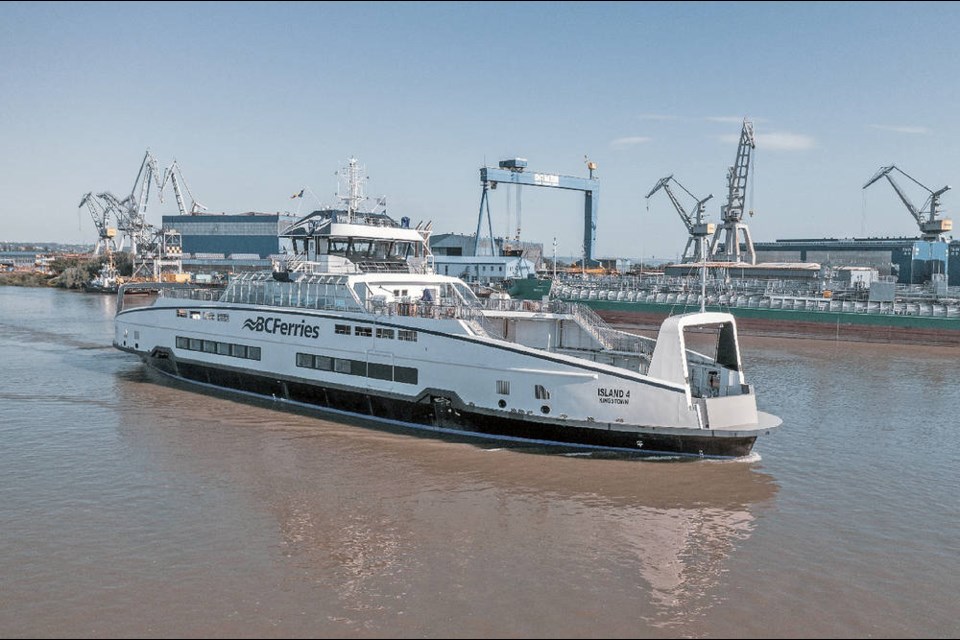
<point x="355" y="322"/>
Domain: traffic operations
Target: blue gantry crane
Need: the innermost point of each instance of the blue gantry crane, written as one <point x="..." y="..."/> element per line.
<point x="514" y="171"/>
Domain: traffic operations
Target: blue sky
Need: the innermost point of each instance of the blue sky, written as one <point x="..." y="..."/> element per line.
<point x="258" y="100"/>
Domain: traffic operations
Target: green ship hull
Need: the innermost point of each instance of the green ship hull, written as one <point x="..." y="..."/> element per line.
<point x="530" y="288"/>
<point x="860" y="327"/>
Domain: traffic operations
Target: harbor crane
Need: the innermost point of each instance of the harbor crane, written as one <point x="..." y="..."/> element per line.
<point x="141" y="187"/>
<point x="131" y="211"/>
<point x="731" y="213"/>
<point x="174" y="175"/>
<point x="101" y="219"/>
<point x="931" y="226"/>
<point x="513" y="171"/>
<point x="693" y="220"/>
<point x="151" y="249"/>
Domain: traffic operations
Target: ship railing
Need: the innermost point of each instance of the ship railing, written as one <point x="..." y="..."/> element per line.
<point x="609" y="338"/>
<point x="445" y="309"/>
<point x="169" y="290"/>
<point x="294" y="263"/>
<point x="383" y="266"/>
<point x="594" y="324"/>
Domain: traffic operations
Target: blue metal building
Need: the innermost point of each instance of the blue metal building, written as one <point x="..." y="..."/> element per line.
<point x="245" y="234"/>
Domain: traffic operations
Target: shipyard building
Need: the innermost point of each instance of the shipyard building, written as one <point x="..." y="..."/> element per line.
<point x="909" y="260"/>
<point x="455" y="255"/>
<point x="222" y="242"/>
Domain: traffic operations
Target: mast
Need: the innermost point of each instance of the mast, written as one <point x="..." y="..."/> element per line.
<point x="355" y="194"/>
<point x="703" y="273"/>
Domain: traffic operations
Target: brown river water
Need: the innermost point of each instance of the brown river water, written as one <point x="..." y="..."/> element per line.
<point x="132" y="506"/>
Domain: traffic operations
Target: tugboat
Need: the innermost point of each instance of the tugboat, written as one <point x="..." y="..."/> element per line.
<point x="107" y="279"/>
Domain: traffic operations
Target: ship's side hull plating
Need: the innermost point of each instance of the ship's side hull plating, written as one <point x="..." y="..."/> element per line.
<point x="441" y="410"/>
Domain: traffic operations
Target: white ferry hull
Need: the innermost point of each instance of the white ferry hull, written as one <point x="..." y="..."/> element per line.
<point x="443" y="378"/>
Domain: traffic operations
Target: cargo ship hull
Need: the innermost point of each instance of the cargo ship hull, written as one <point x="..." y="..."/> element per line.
<point x="852" y="327"/>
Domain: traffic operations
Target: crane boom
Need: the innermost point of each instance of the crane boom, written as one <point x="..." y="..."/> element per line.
<point x="101" y="217"/>
<point x="689" y="220"/>
<point x="174" y="174"/>
<point x="731" y="213"/>
<point x="693" y="221"/>
<point x="141" y="186"/>
<point x="931" y="226"/>
<point x="737" y="176"/>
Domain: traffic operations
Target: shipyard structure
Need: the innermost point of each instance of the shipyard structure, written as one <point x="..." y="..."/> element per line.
<point x="223" y="243"/>
<point x="862" y="289"/>
<point x="905" y="260"/>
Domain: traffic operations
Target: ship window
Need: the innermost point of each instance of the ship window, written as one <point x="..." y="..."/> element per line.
<point x="341" y="366"/>
<point x="305" y="360"/>
<point x="365" y="332"/>
<point x="195" y="345"/>
<point x="223" y="348"/>
<point x="209" y="315"/>
<point x="181" y="313"/>
<point x="503" y="387"/>
<point x="358" y="368"/>
<point x="406" y="335"/>
<point x="324" y="363"/>
<point x="541" y="392"/>
<point x="342" y="329"/>
<point x="407" y="375"/>
<point x="223" y="317"/>
<point x="209" y="346"/>
<point x="194" y="315"/>
<point x="253" y="353"/>
<point x="387" y="334"/>
<point x="239" y="351"/>
<point x="136" y="335"/>
<point x="182" y="343"/>
<point x="379" y="371"/>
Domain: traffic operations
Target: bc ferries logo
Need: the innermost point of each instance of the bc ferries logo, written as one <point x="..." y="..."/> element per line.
<point x="278" y="325"/>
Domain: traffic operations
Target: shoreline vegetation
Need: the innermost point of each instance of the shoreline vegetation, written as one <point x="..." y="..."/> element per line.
<point x="66" y="272"/>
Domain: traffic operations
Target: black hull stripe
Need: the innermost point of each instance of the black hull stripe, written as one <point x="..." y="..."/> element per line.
<point x="443" y="417"/>
<point x="586" y="366"/>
